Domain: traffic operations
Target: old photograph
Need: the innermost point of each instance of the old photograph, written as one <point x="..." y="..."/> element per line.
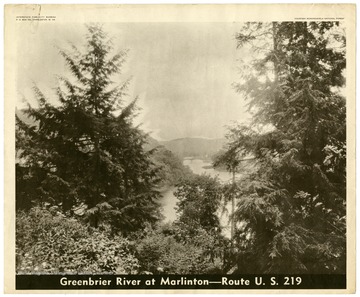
<point x="181" y="154"/>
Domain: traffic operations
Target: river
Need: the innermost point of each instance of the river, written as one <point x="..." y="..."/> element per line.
<point x="198" y="166"/>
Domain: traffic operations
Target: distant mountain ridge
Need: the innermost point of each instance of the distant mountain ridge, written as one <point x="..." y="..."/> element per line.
<point x="195" y="147"/>
<point x="191" y="147"/>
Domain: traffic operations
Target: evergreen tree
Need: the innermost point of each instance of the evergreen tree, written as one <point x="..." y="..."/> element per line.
<point x="292" y="210"/>
<point x="85" y="149"/>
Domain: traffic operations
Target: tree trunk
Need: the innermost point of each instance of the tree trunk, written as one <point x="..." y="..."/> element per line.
<point x="232" y="222"/>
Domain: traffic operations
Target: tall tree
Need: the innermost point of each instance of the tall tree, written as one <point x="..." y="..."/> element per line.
<point x="293" y="208"/>
<point x="233" y="157"/>
<point x="85" y="148"/>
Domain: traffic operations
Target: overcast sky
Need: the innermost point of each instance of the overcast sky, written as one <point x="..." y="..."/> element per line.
<point x="182" y="72"/>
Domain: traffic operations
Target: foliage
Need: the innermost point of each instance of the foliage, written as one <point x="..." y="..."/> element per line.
<point x="193" y="243"/>
<point x="171" y="169"/>
<point x="292" y="209"/>
<point x="199" y="200"/>
<point x="165" y="250"/>
<point x="84" y="153"/>
<point x="49" y="242"/>
<point x="84" y="149"/>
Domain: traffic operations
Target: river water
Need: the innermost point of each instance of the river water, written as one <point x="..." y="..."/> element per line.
<point x="198" y="166"/>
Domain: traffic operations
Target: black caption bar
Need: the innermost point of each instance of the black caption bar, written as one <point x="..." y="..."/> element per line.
<point x="202" y="282"/>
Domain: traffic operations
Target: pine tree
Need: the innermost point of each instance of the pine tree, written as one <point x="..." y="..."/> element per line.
<point x="293" y="208"/>
<point x="85" y="150"/>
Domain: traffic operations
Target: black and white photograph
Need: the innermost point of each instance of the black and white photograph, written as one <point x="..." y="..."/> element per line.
<point x="208" y="154"/>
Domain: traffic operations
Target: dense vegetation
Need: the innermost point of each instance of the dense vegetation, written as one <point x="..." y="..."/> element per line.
<point x="172" y="171"/>
<point x="88" y="183"/>
<point x="292" y="209"/>
<point x="50" y="242"/>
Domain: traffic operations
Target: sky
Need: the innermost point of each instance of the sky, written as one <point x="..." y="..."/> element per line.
<point x="183" y="73"/>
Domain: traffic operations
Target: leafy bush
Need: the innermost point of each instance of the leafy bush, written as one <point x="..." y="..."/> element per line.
<point x="49" y="242"/>
<point x="167" y="250"/>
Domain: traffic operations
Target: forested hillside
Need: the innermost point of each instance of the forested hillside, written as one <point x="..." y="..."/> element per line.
<point x="194" y="147"/>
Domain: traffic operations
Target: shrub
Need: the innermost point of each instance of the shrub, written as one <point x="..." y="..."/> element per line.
<point x="49" y="242"/>
<point x="165" y="250"/>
